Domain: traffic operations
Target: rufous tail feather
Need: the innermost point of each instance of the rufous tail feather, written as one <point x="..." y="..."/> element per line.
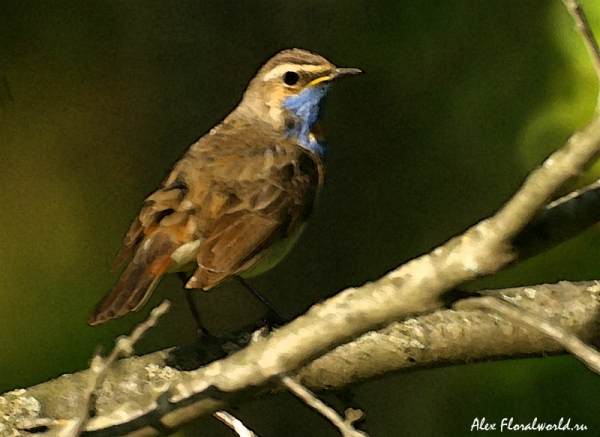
<point x="134" y="288"/>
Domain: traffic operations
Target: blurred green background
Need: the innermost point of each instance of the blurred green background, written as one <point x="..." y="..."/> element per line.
<point x="461" y="100"/>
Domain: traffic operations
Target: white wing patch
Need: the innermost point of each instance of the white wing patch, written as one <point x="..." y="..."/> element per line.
<point x="186" y="253"/>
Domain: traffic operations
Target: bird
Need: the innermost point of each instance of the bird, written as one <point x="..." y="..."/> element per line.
<point x="237" y="201"/>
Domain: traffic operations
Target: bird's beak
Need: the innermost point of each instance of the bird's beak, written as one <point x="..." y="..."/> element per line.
<point x="337" y="73"/>
<point x="341" y="72"/>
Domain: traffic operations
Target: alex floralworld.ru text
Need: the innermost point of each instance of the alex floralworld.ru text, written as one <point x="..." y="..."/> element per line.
<point x="510" y="425"/>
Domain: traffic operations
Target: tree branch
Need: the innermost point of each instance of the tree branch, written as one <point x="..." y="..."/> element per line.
<point x="460" y="335"/>
<point x="447" y="337"/>
<point x="564" y="337"/>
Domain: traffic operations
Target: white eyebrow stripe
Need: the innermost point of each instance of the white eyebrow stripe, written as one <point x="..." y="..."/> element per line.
<point x="280" y="69"/>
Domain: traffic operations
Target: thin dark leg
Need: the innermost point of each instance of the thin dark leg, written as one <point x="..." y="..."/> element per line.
<point x="192" y="305"/>
<point x="265" y="302"/>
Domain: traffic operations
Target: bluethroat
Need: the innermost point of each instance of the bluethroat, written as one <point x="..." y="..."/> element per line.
<point x="238" y="199"/>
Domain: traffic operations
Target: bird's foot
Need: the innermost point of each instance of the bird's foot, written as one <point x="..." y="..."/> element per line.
<point x="211" y="347"/>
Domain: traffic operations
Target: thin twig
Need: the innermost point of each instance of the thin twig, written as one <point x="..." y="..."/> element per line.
<point x="309" y="398"/>
<point x="584" y="28"/>
<point x="587" y="354"/>
<point x="234" y="423"/>
<point x="99" y="366"/>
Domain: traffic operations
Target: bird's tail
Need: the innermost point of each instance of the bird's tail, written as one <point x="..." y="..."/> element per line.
<point x="134" y="288"/>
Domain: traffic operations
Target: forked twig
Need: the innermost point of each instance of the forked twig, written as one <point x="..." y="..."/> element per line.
<point x="309" y="398"/>
<point x="99" y="366"/>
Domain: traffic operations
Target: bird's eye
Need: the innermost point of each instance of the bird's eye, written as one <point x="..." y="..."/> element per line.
<point x="291" y="78"/>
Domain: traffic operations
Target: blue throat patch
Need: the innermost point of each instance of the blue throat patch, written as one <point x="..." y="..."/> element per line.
<point x="305" y="108"/>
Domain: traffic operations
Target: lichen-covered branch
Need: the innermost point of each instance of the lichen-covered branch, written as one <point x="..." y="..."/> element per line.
<point x="446" y="337"/>
<point x="562" y="336"/>
<point x="461" y="335"/>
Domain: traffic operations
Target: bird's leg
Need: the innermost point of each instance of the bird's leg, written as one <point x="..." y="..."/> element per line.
<point x="209" y="347"/>
<point x="202" y="331"/>
<point x="274" y="316"/>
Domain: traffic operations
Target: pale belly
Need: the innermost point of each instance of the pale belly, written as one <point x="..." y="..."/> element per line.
<point x="274" y="254"/>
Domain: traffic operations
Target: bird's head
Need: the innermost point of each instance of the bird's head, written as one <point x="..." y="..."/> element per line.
<point x="288" y="91"/>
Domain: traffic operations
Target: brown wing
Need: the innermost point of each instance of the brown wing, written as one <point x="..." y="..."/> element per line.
<point x="271" y="192"/>
<point x="227" y="198"/>
<point x="227" y="250"/>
